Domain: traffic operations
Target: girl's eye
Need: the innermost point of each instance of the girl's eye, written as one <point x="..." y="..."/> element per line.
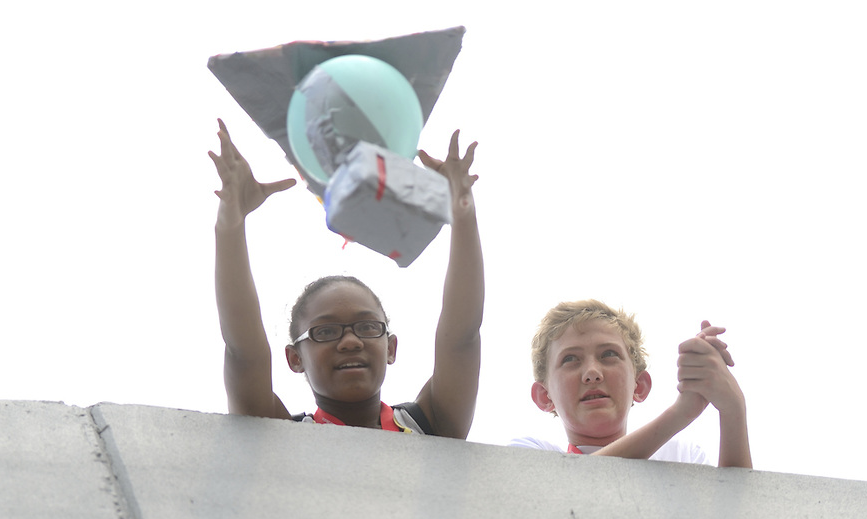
<point x="367" y="327"/>
<point x="325" y="332"/>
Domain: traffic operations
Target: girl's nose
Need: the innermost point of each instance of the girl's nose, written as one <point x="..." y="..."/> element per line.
<point x="349" y="341"/>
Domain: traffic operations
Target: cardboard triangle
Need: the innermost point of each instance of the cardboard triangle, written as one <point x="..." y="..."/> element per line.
<point x="263" y="81"/>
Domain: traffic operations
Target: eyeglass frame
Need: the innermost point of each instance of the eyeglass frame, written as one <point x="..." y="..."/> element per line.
<point x="306" y="335"/>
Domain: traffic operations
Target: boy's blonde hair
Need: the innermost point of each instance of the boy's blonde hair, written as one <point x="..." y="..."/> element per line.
<point x="559" y="318"/>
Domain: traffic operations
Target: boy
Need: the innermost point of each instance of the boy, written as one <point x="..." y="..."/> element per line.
<point x="589" y="366"/>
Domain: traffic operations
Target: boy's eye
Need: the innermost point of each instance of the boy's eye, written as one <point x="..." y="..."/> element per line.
<point x="568" y="358"/>
<point x="610" y="353"/>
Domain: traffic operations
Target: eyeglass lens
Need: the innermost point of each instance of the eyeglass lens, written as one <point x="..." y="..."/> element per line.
<point x="331" y="332"/>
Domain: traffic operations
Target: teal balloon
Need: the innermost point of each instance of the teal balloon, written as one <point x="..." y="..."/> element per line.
<point x="384" y="95"/>
<point x="346" y="99"/>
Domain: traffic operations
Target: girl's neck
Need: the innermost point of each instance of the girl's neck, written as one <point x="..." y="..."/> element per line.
<point x="357" y="414"/>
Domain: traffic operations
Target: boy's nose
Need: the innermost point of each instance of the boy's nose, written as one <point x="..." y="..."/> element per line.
<point x="592" y="375"/>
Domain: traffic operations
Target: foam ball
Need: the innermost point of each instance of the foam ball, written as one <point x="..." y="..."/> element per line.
<point x="345" y="100"/>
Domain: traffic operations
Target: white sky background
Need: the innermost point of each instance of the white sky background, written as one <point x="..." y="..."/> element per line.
<point x="684" y="161"/>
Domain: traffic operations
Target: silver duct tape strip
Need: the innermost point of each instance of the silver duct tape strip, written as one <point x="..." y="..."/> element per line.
<point x="334" y="122"/>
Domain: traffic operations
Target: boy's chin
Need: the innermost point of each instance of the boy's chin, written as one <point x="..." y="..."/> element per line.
<point x="600" y="426"/>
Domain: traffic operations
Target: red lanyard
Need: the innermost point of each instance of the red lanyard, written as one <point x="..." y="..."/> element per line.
<point x="386" y="418"/>
<point x="574" y="450"/>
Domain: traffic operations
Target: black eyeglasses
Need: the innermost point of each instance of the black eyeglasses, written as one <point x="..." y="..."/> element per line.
<point x="332" y="332"/>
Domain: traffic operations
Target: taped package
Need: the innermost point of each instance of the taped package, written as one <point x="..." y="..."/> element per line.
<point x="387" y="203"/>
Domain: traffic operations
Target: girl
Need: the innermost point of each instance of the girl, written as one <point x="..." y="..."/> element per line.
<point x="339" y="330"/>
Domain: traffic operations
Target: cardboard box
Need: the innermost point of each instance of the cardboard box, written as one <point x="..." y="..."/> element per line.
<point x="387" y="203"/>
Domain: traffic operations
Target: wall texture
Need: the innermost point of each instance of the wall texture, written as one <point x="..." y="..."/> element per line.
<point x="142" y="462"/>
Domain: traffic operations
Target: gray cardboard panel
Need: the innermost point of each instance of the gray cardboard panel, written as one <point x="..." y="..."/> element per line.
<point x="262" y="81"/>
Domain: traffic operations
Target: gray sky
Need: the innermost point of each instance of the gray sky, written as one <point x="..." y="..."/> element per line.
<point x="684" y="161"/>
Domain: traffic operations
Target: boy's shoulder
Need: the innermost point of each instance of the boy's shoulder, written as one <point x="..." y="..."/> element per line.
<point x="528" y="442"/>
<point x="682" y="451"/>
<point x="674" y="449"/>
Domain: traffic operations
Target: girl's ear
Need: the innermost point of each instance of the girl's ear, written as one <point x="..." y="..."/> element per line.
<point x="392" y="348"/>
<point x="642" y="386"/>
<point x="539" y="394"/>
<point x="294" y="360"/>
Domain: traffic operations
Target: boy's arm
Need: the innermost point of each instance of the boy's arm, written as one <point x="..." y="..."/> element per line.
<point x="643" y="442"/>
<point x="704" y="372"/>
<point x="247" y="364"/>
<point x="449" y="397"/>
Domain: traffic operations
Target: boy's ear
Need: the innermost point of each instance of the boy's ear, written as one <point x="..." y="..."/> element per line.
<point x="294" y="360"/>
<point x="642" y="386"/>
<point x="540" y="395"/>
<point x="392" y="348"/>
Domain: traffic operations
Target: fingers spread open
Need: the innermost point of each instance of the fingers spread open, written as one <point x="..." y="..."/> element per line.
<point x="280" y="185"/>
<point x="469" y="155"/>
<point x="429" y="161"/>
<point x="219" y="163"/>
<point x="454" y="149"/>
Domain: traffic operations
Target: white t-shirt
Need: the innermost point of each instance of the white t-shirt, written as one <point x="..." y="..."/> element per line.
<point x="673" y="450"/>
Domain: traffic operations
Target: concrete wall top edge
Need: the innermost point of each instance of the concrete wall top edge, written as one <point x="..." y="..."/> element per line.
<point x="180" y="463"/>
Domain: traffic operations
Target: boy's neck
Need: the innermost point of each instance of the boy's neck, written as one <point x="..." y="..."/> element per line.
<point x="581" y="440"/>
<point x="357" y="414"/>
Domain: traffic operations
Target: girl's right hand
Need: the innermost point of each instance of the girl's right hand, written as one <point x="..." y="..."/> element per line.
<point x="241" y="193"/>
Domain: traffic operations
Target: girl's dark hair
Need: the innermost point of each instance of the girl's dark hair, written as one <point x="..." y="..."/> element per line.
<point x="314" y="287"/>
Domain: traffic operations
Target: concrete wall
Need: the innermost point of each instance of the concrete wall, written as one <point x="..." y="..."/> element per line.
<point x="142" y="462"/>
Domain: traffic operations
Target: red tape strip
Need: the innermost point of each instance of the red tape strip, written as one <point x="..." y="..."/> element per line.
<point x="380" y="164"/>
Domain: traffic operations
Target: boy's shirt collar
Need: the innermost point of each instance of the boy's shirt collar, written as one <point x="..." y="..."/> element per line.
<point x="584" y="449"/>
